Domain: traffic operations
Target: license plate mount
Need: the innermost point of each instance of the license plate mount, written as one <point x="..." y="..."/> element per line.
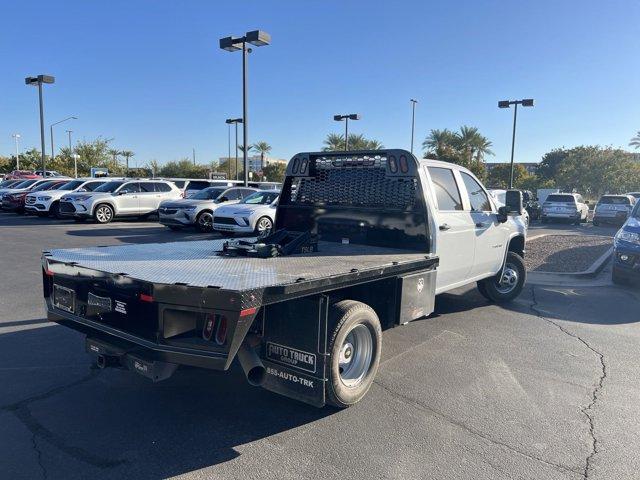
<point x="64" y="298"/>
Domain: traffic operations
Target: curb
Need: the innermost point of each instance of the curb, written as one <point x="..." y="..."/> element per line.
<point x="591" y="272"/>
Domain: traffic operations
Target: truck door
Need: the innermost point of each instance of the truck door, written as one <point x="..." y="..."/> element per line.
<point x="456" y="229"/>
<point x="490" y="237"/>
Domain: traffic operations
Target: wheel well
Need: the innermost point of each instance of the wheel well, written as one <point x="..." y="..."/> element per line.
<point x="206" y="210"/>
<point x="516" y="245"/>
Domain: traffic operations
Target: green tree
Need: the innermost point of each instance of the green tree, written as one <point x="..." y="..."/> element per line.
<point x="335" y="143"/>
<point x="127" y="154"/>
<point x="466" y="147"/>
<point x="274" y="172"/>
<point x="500" y="174"/>
<point x="635" y="141"/>
<point x="550" y="163"/>
<point x="263" y="148"/>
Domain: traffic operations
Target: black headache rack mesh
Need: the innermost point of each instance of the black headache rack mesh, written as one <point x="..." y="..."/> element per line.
<point x="367" y="197"/>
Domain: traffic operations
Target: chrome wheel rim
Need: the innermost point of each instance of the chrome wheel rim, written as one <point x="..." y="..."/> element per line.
<point x="206" y="221"/>
<point x="355" y="356"/>
<point x="103" y="214"/>
<point x="264" y="225"/>
<point x="509" y="279"/>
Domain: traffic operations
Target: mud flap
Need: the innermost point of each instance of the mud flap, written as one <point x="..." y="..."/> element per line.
<point x="294" y="384"/>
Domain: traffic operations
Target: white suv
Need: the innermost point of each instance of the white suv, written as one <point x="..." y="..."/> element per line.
<point x="565" y="206"/>
<point x="118" y="198"/>
<point x="48" y="202"/>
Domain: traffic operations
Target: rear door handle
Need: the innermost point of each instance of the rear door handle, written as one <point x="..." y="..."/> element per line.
<point x="444" y="226"/>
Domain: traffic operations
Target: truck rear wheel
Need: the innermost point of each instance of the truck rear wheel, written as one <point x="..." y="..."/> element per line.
<point x="508" y="284"/>
<point x="355" y="348"/>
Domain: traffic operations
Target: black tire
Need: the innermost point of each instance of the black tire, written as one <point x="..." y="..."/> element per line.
<point x="595" y="222"/>
<point x="483" y="290"/>
<point x="54" y="210"/>
<point x="617" y="278"/>
<point x="358" y="322"/>
<point x="204" y="221"/>
<point x="517" y="274"/>
<point x="103" y="213"/>
<point x="261" y="226"/>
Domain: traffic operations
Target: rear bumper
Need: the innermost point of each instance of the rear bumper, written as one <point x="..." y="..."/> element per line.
<point x="561" y="215"/>
<point x="619" y="218"/>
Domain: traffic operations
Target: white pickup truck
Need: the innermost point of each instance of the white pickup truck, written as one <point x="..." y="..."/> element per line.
<point x="362" y="242"/>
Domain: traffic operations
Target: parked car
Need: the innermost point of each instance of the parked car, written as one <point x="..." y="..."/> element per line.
<point x="48" y="173"/>
<point x="119" y="198"/>
<point x="635" y="195"/>
<point x="626" y="249"/>
<point x="500" y="195"/>
<point x="15" y="201"/>
<point x="254" y="214"/>
<point x="8" y="183"/>
<point x="613" y="209"/>
<point x="198" y="209"/>
<point x="44" y="204"/>
<point x="565" y="206"/>
<point x="24" y="186"/>
<point x="22" y="174"/>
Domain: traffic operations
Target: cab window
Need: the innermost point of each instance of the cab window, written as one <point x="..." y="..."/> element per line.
<point x="478" y="198"/>
<point x="91" y="186"/>
<point x="444" y="184"/>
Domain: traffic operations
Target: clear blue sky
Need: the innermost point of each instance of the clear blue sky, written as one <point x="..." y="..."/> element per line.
<point x="150" y="74"/>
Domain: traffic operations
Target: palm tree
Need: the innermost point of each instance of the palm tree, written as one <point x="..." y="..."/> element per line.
<point x="263" y="148"/>
<point x="333" y="143"/>
<point x="635" y="141"/>
<point x="127" y="154"/>
<point x="439" y="141"/>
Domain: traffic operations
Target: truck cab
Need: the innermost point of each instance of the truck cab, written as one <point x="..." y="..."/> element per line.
<point x="471" y="237"/>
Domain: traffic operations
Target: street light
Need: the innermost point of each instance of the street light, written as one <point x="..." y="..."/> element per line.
<point x="236" y="121"/>
<point x="525" y="102"/>
<point x="75" y="164"/>
<point x="53" y="153"/>
<point x="39" y="80"/>
<point x="257" y="38"/>
<point x="16" y="137"/>
<point x="413" y="119"/>
<point x="346" y="118"/>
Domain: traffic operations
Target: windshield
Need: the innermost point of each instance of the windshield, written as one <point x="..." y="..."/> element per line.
<point x="109" y="187"/>
<point x="72" y="185"/>
<point x="561" y="198"/>
<point x="24" y="184"/>
<point x="8" y="183"/>
<point x="261" y="198"/>
<point x="210" y="193"/>
<point x="614" y="201"/>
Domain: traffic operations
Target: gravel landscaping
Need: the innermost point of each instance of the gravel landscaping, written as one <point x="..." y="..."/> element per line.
<point x="565" y="253"/>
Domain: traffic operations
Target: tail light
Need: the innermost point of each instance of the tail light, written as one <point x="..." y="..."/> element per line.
<point x="221" y="331"/>
<point x="217" y="323"/>
<point x="209" y="325"/>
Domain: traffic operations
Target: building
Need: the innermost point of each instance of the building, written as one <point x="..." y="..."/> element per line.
<point x="530" y="167"/>
<point x="254" y="161"/>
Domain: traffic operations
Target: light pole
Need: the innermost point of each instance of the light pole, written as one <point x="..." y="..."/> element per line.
<point x="53" y="153"/>
<point x="236" y="121"/>
<point x="75" y="163"/>
<point x="39" y="80"/>
<point x="16" y="137"/>
<point x="231" y="44"/>
<point x="413" y="119"/>
<point x="346" y="118"/>
<point x="525" y="102"/>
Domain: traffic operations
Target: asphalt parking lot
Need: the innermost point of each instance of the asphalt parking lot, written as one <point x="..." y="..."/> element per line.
<point x="546" y="389"/>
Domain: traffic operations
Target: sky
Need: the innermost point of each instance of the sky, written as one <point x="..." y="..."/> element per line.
<point x="150" y="74"/>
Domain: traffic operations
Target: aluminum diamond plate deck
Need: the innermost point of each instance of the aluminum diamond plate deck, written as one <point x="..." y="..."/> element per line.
<point x="198" y="263"/>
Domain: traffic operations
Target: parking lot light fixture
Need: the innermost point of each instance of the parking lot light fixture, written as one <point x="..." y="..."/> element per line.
<point x="346" y="118"/>
<point x="234" y="121"/>
<point x="16" y="137"/>
<point x="525" y="102"/>
<point x="257" y="38"/>
<point x="38" y="82"/>
<point x="53" y="153"/>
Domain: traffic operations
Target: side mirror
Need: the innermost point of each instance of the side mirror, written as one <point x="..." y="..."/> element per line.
<point x="123" y="192"/>
<point x="223" y="199"/>
<point x="513" y="202"/>
<point x="503" y="214"/>
<point x="82" y="189"/>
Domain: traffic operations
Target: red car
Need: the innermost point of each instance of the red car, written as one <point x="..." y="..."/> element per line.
<point x="15" y="201"/>
<point x="23" y="174"/>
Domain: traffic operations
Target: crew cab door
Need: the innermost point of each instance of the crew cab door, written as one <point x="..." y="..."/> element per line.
<point x="456" y="230"/>
<point x="490" y="236"/>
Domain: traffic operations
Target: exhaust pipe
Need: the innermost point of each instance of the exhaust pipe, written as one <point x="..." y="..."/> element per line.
<point x="251" y="364"/>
